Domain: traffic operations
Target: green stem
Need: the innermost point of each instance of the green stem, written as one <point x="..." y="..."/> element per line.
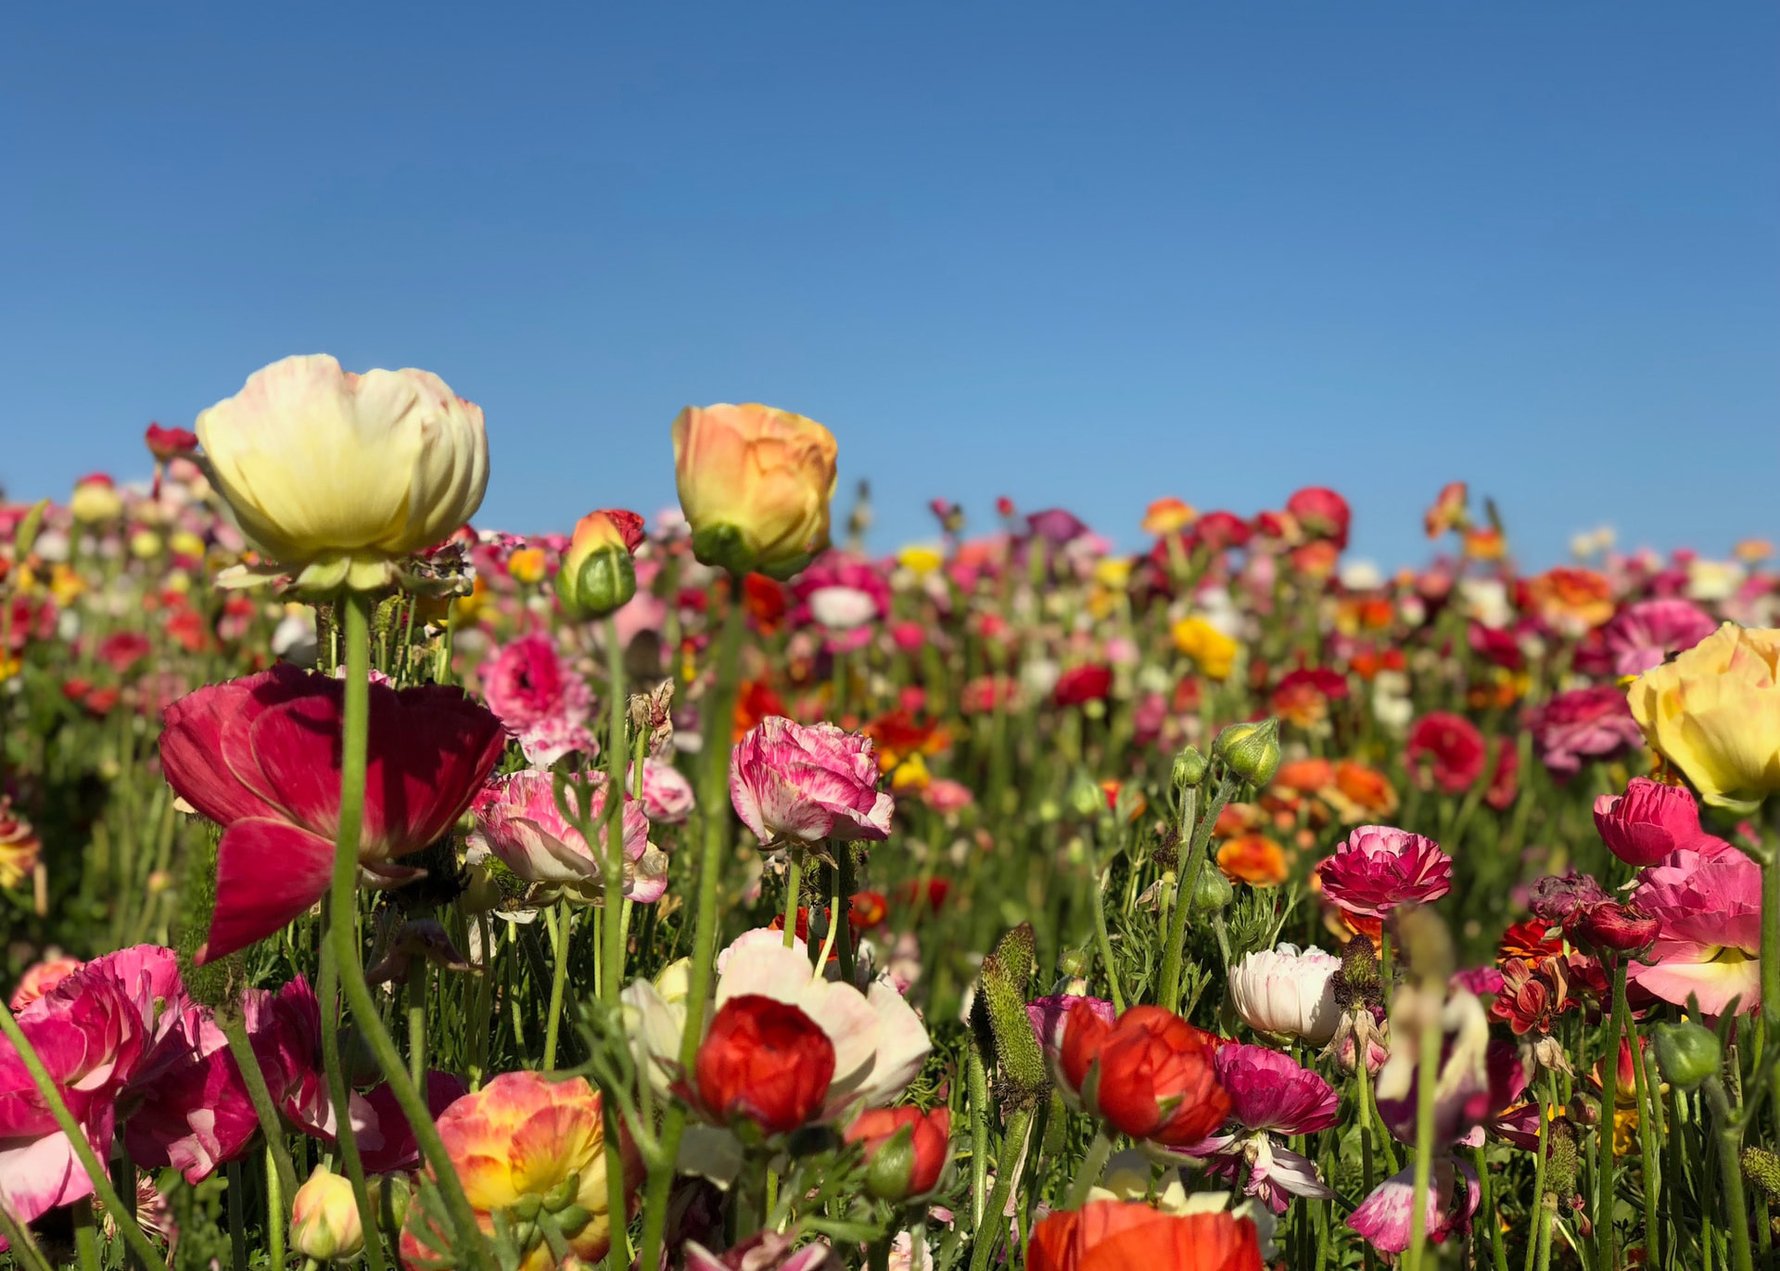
<point x="1770" y="946"/>
<point x="977" y="1092"/>
<point x="234" y="1030"/>
<point x="1486" y="1211"/>
<point x="612" y="953"/>
<point x="86" y="1235"/>
<point x="842" y="916"/>
<point x="342" y="912"/>
<point x="1427" y="1075"/>
<point x="1649" y="1157"/>
<point x="559" y="978"/>
<point x="793" y="877"/>
<point x="1542" y="1099"/>
<point x="1540" y="1247"/>
<point x="77" y="1139"/>
<point x="1728" y="1134"/>
<point x="1013" y="1145"/>
<point x="327" y="992"/>
<point x="415" y="990"/>
<point x="237" y="1216"/>
<point x="1604" y="1130"/>
<point x="20" y="1243"/>
<point x="1104" y="940"/>
<point x="1093" y="1165"/>
<point x="276" y="1213"/>
<point x="714" y="801"/>
<point x="1187" y="880"/>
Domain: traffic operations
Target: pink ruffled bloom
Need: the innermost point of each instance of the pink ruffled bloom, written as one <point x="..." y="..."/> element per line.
<point x="1583" y="723"/>
<point x="260" y="756"/>
<point x="667" y="794"/>
<point x="807" y="783"/>
<point x="1383" y="1218"/>
<point x="1708" y="943"/>
<point x="539" y="701"/>
<point x="1651" y="821"/>
<point x="1379" y="867"/>
<point x="39" y="978"/>
<point x="1270" y="1095"/>
<point x="1642" y="635"/>
<point x="517" y="818"/>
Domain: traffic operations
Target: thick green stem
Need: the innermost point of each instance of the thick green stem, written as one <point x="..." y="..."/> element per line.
<point x="276" y="1213"/>
<point x="327" y="991"/>
<point x="1650" y="1158"/>
<point x="1102" y="938"/>
<point x="613" y="933"/>
<point x="1093" y="1165"/>
<point x="1486" y="1211"/>
<point x="341" y="934"/>
<point x="415" y="992"/>
<point x="234" y="1029"/>
<point x="793" y="877"/>
<point x="1007" y="1170"/>
<point x="1727" y="1133"/>
<point x="559" y="979"/>
<point x="77" y="1139"/>
<point x="86" y="1234"/>
<point x="1604" y="1130"/>
<point x="1427" y="1074"/>
<point x="714" y="803"/>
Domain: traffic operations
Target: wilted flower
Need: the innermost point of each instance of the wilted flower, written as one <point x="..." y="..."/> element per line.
<point x="808" y="783"/>
<point x="1378" y="867"/>
<point x="1285" y="993"/>
<point x="336" y="476"/>
<point x="755" y="485"/>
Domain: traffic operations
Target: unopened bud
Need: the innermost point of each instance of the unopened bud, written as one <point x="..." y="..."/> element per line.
<point x="1250" y="750"/>
<point x="1086" y="798"/>
<point x="1561" y="1158"/>
<point x="892" y="1166"/>
<point x="1762" y="1168"/>
<point x="1212" y="894"/>
<point x="1687" y="1054"/>
<point x="1189" y="769"/>
<point x="598" y="575"/>
<point x="324" y="1219"/>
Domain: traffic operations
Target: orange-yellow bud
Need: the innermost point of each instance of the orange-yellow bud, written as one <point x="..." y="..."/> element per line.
<point x="755" y="485"/>
<point x="324" y="1219"/>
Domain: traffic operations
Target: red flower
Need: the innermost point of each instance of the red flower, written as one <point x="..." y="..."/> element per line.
<point x="1649" y="821"/>
<point x="260" y="756"/>
<point x="930" y="1141"/>
<point x="1379" y="867"/>
<point x="764" y="1061"/>
<point x="1617" y="928"/>
<point x="1114" y="1235"/>
<point x="1505" y="781"/>
<point x="1082" y="684"/>
<point x="1150" y="1074"/>
<point x="1302" y="697"/>
<point x="1321" y="513"/>
<point x="169" y="443"/>
<point x="1219" y="530"/>
<point x="1446" y="748"/>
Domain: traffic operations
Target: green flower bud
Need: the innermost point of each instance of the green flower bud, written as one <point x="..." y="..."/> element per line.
<point x="1686" y="1054"/>
<point x="892" y="1166"/>
<point x="1212" y="893"/>
<point x="1086" y="798"/>
<point x="598" y="575"/>
<point x="1251" y="750"/>
<point x="1189" y="769"/>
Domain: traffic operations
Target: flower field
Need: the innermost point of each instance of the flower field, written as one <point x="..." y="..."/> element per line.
<point x="687" y="891"/>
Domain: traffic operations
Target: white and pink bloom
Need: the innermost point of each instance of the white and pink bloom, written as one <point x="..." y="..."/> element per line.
<point x="1384" y="1217"/>
<point x="806" y="783"/>
<point x="1708" y="943"/>
<point x="519" y="820"/>
<point x="667" y="794"/>
<point x="539" y="700"/>
<point x="1270" y="1095"/>
<point x="1285" y="992"/>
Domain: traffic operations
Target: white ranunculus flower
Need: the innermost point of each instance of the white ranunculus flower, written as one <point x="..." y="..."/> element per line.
<point x="1285" y="992"/>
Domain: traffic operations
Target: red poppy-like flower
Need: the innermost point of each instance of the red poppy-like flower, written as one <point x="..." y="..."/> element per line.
<point x="260" y="756"/>
<point x="1445" y="750"/>
<point x="1082" y="684"/>
<point x="1150" y="1074"/>
<point x="764" y="1061"/>
<point x="930" y="1141"/>
<point x="1321" y="513"/>
<point x="1114" y="1235"/>
<point x="1379" y="867"/>
<point x="169" y="443"/>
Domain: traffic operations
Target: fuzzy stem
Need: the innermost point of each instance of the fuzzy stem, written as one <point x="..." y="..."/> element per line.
<point x="1013" y="1145"/>
<point x="276" y="1213"/>
<point x="234" y="1030"/>
<point x="86" y="1235"/>
<point x="1727" y="1132"/>
<point x="1092" y="1166"/>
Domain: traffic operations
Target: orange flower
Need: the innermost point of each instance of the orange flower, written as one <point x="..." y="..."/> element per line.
<point x="527" y="565"/>
<point x="1304" y="776"/>
<point x="754" y="484"/>
<point x="1253" y="859"/>
<point x="754" y="703"/>
<point x="1361" y="793"/>
<point x="1485" y="544"/>
<point x="1572" y="600"/>
<point x="1752" y="550"/>
<point x="1112" y="1235"/>
<point x="1168" y="516"/>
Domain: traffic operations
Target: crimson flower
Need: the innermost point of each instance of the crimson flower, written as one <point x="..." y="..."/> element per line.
<point x="763" y="1061"/>
<point x="1446" y="750"/>
<point x="1150" y="1074"/>
<point x="1379" y="867"/>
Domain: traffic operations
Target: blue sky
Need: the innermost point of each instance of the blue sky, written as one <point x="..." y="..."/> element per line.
<point x="1074" y="253"/>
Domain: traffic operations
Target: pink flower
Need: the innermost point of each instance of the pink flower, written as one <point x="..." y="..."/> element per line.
<point x="807" y="782"/>
<point x="667" y="794"/>
<point x="260" y="756"/>
<point x="1384" y="1217"/>
<point x="40" y="977"/>
<point x="841" y="592"/>
<point x="1641" y="635"/>
<point x="1582" y="723"/>
<point x="946" y="796"/>
<point x="1708" y="943"/>
<point x="1270" y="1095"/>
<point x="539" y="700"/>
<point x="1445" y="749"/>
<point x="1651" y="821"/>
<point x="517" y="818"/>
<point x="1379" y="867"/>
<point x="767" y="1251"/>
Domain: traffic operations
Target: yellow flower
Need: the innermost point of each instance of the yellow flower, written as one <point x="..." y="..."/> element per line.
<point x="324" y="1221"/>
<point x="920" y="559"/>
<point x="19" y="844"/>
<point x="335" y="477"/>
<point x="911" y="774"/>
<point x="527" y="565"/>
<point x="1213" y="652"/>
<point x="754" y="484"/>
<point x="95" y="499"/>
<point x="1714" y="713"/>
<point x="522" y="1143"/>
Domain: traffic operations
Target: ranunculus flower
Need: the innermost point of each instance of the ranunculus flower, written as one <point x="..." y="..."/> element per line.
<point x="514" y="1143"/>
<point x="169" y="443"/>
<point x="807" y="783"/>
<point x="1322" y="513"/>
<point x="763" y="1251"/>
<point x="1582" y="723"/>
<point x="1708" y="941"/>
<point x="1617" y="928"/>
<point x="1149" y="1074"/>
<point x="667" y="794"/>
<point x="918" y="1164"/>
<point x="1384" y="1218"/>
<point x="1050" y="1018"/>
<point x="1283" y="992"/>
<point x="755" y="485"/>
<point x="1445" y="750"/>
<point x="1651" y="821"/>
<point x="324" y="1218"/>
<point x="40" y="977"/>
<point x="1714" y="712"/>
<point x="1117" y="1235"/>
<point x="1270" y="1095"/>
<point x="1641" y="635"/>
<point x="517" y="818"/>
<point x="1461" y="1085"/>
<point x="1082" y="684"/>
<point x="763" y="1061"/>
<point x="1378" y="867"/>
<point x="260" y="756"/>
<point x="336" y="476"/>
<point x="539" y="700"/>
<point x="19" y="843"/>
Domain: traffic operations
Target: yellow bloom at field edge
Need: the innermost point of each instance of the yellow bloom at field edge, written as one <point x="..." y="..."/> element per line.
<point x="335" y="477"/>
<point x="755" y="485"/>
<point x="1714" y="713"/>
<point x="920" y="559"/>
<point x="525" y="1142"/>
<point x="1213" y="652"/>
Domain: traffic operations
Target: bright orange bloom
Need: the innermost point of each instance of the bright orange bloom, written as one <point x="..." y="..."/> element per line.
<point x="1304" y="776"/>
<point x="754" y="703"/>
<point x="1485" y="544"/>
<point x="1572" y="600"/>
<point x="1753" y="550"/>
<point x="528" y="565"/>
<point x="1168" y="516"/>
<point x="1362" y="793"/>
<point x="1253" y="859"/>
<point x="1113" y="1235"/>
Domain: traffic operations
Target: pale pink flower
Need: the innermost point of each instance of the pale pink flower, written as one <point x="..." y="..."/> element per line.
<point x="517" y="818"/>
<point x="667" y="794"/>
<point x="1708" y="944"/>
<point x="1287" y="993"/>
<point x="539" y="700"/>
<point x="807" y="783"/>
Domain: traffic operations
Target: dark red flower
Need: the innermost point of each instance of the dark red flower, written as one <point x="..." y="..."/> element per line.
<point x="1444" y="750"/>
<point x="1321" y="513"/>
<point x="763" y="1061"/>
<point x="169" y="443"/>
<point x="1082" y="684"/>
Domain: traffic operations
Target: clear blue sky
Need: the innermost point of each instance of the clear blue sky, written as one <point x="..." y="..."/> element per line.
<point x="1075" y="253"/>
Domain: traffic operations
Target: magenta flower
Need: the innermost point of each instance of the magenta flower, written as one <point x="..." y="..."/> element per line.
<point x="1642" y="635"/>
<point x="1650" y="821"/>
<point x="1383" y="1218"/>
<point x="1050" y="1015"/>
<point x="1583" y="723"/>
<point x="1708" y="943"/>
<point x="1379" y="867"/>
<point x="539" y="701"/>
<point x="806" y="783"/>
<point x="842" y="592"/>
<point x="1270" y="1095"/>
<point x="517" y="818"/>
<point x="260" y="756"/>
